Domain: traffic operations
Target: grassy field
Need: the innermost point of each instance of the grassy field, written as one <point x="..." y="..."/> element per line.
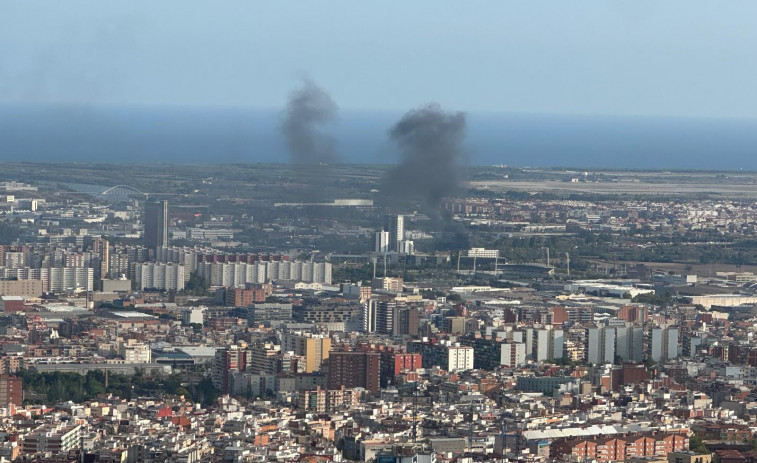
<point x="286" y="182"/>
<point x="646" y="186"/>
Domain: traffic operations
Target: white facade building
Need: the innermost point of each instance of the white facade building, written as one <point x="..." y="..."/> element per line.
<point x="547" y="344"/>
<point x="513" y="354"/>
<point x="600" y="348"/>
<point x="61" y="279"/>
<point x="663" y="343"/>
<point x="165" y="277"/>
<point x="56" y="279"/>
<point x="629" y="343"/>
<point x="382" y="242"/>
<point x="460" y="358"/>
<point x="133" y="351"/>
<point x="193" y="315"/>
<point x="483" y="253"/>
<point x="395" y="226"/>
<point x="238" y="274"/>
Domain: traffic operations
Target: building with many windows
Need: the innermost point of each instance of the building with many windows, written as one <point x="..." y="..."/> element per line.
<point x="11" y="390"/>
<point x="314" y="348"/>
<point x="629" y="343"/>
<point x="490" y="353"/>
<point x="156" y="224"/>
<point x="240" y="274"/>
<point x="382" y="242"/>
<point x="162" y="276"/>
<point x="133" y="351"/>
<point x="62" y="279"/>
<point x="395" y="226"/>
<point x="447" y="355"/>
<point x="269" y="312"/>
<point x="395" y="362"/>
<point x="547" y="344"/>
<point x="354" y="369"/>
<point x="663" y="343"/>
<point x="52" y="438"/>
<point x="228" y="360"/>
<point x="600" y="345"/>
<point x="618" y="448"/>
<point x="483" y="253"/>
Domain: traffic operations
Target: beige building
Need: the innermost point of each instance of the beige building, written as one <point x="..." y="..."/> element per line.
<point x="133" y="351"/>
<point x="688" y="457"/>
<point x="23" y="288"/>
<point x="314" y="348"/>
<point x="264" y="358"/>
<point x="388" y="284"/>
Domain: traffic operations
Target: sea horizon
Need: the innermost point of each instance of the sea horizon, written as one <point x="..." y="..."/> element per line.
<point x="201" y="135"/>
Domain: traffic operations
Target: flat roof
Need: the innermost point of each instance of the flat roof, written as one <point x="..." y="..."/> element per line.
<point x="61" y="308"/>
<point x="130" y="314"/>
<point x="594" y="430"/>
<point x="198" y="351"/>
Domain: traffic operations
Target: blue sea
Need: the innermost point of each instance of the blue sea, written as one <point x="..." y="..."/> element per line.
<point x="212" y="135"/>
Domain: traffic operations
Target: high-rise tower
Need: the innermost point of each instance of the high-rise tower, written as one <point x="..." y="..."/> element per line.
<point x="156" y="224"/>
<point x="395" y="225"/>
<point x="102" y="248"/>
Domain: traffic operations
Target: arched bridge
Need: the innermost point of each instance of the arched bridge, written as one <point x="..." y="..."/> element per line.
<point x="121" y="192"/>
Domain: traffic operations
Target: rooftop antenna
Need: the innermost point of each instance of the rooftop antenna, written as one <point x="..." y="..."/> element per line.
<point x="415" y="410"/>
<point x="504" y="438"/>
<point x="470" y="429"/>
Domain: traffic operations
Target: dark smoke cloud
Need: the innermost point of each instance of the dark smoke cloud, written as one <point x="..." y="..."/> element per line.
<point x="309" y="109"/>
<point x="429" y="140"/>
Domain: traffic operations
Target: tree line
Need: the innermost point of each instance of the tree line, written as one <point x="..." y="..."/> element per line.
<point x="53" y="387"/>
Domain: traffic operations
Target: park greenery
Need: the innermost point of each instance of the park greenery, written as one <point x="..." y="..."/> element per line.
<point x="197" y="285"/>
<point x="696" y="445"/>
<point x="50" y="388"/>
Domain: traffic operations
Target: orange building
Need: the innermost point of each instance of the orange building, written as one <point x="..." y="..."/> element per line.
<point x="631" y="313"/>
<point x="240" y="297"/>
<point x="619" y="448"/>
<point x="11" y="390"/>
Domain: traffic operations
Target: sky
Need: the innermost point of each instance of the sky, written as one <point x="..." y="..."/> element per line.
<point x="691" y="58"/>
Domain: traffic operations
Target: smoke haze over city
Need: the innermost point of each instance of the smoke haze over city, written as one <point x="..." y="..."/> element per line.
<point x="396" y="231"/>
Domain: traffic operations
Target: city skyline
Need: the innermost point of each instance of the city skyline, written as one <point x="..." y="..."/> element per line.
<point x="427" y="232"/>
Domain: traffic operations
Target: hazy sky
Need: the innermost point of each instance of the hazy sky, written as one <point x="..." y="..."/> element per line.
<point x="671" y="57"/>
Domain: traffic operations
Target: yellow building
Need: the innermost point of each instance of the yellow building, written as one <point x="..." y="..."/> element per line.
<point x="313" y="347"/>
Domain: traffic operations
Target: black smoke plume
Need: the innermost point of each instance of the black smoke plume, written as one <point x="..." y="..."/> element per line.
<point x="309" y="109"/>
<point x="429" y="141"/>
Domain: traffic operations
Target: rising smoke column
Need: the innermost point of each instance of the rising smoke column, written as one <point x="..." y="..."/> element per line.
<point x="309" y="109"/>
<point x="429" y="140"/>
